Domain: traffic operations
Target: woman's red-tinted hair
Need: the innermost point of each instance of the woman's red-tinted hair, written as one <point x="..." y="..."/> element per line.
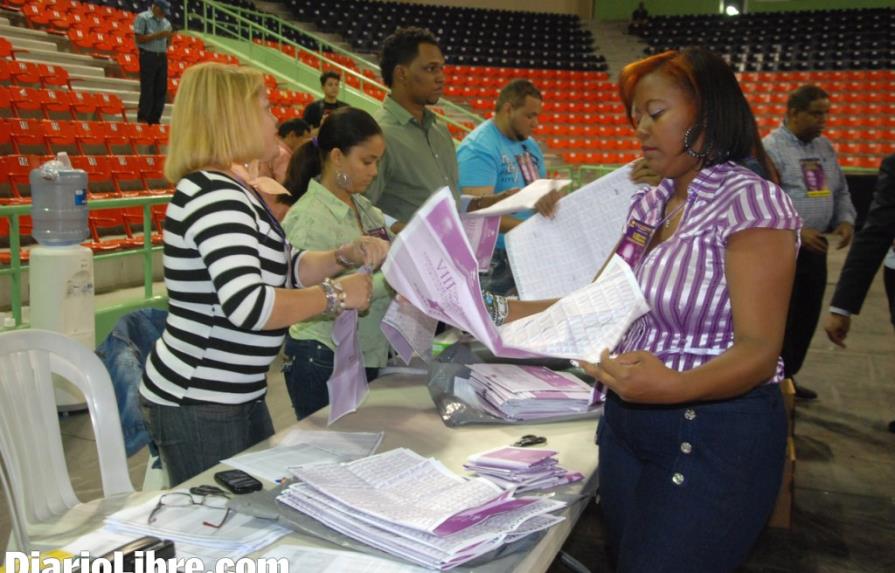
<point x="673" y="64"/>
<point x="722" y="114"/>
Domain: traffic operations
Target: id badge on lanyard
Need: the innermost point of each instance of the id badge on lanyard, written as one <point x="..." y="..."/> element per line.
<point x="633" y="243"/>
<point x="378" y="232"/>
<point x="527" y="167"/>
<point x="815" y="178"/>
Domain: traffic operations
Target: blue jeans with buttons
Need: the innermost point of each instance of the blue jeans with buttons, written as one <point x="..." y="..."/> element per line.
<point x="306" y="369"/>
<point x="689" y="487"/>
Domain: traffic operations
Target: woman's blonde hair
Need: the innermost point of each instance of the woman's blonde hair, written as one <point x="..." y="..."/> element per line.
<point x="216" y="119"/>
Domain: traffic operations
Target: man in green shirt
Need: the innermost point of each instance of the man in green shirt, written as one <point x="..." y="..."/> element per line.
<point x="419" y="156"/>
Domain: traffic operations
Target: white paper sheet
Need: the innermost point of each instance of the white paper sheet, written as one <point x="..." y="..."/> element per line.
<point x="274" y="464"/>
<point x="409" y="331"/>
<point x="317" y="560"/>
<point x="356" y="444"/>
<point x="586" y="322"/>
<point x="523" y="200"/>
<point x="550" y="258"/>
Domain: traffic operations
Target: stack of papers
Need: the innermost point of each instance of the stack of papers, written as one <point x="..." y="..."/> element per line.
<point x="186" y="527"/>
<point x="529" y="392"/>
<point x="521" y="469"/>
<point x="432" y="265"/>
<point x="305" y="448"/>
<point x="416" y="509"/>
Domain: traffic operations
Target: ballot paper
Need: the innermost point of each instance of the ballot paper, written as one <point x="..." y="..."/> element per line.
<point x="432" y="266"/>
<point x="347" y="385"/>
<point x="416" y="509"/>
<point x="519" y="393"/>
<point x="551" y="258"/>
<point x="186" y="526"/>
<point x="409" y="331"/>
<point x="357" y="444"/>
<point x="521" y="469"/>
<point x="524" y="199"/>
<point x="585" y="323"/>
<point x="482" y="233"/>
<point x="274" y="464"/>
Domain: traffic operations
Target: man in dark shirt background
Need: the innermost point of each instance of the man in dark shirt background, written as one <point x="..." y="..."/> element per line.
<point x="317" y="111"/>
<point x="638" y="19"/>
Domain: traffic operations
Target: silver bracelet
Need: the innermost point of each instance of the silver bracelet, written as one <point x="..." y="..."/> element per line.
<point x="335" y="297"/>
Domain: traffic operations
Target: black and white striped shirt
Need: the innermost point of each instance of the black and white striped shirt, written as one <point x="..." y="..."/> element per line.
<point x="224" y="255"/>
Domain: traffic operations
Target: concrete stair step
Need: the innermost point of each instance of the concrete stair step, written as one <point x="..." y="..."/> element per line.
<point x="102" y="83"/>
<point x="32" y="44"/>
<point x="65" y="59"/>
<point x="9" y="32"/>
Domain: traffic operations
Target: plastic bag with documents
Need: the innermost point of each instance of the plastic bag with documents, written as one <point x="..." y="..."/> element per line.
<point x="456" y="401"/>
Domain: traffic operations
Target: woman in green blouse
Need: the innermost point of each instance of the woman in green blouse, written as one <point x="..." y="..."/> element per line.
<point x="327" y="176"/>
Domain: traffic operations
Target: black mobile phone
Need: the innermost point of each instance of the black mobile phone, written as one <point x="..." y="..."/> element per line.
<point x="237" y="481"/>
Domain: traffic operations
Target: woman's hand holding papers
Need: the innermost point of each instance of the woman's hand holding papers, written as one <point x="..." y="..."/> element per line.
<point x="366" y="251"/>
<point x="358" y="290"/>
<point x="638" y="377"/>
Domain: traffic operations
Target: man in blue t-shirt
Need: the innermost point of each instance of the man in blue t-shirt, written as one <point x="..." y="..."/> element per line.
<point x="500" y="155"/>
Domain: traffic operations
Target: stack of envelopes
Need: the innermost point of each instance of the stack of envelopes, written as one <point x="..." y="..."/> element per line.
<point x="521" y="469"/>
<point x="529" y="392"/>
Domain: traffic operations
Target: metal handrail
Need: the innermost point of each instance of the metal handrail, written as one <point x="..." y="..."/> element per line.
<point x="15" y="212"/>
<point x="255" y="29"/>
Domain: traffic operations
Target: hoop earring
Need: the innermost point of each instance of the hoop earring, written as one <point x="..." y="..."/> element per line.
<point x="692" y="152"/>
<point x="343" y="180"/>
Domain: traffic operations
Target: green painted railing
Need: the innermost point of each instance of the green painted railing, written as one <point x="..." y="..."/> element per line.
<point x="244" y="26"/>
<point x="105" y="315"/>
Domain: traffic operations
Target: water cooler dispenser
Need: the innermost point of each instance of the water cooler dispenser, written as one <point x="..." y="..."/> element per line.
<point x="61" y="270"/>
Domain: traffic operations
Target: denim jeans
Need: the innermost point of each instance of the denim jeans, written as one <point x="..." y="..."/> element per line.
<point x="689" y="488"/>
<point x="124" y="353"/>
<point x="194" y="437"/>
<point x="307" y="367"/>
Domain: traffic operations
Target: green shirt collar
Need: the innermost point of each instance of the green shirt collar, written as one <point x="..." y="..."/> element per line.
<point x="403" y="117"/>
<point x="333" y="203"/>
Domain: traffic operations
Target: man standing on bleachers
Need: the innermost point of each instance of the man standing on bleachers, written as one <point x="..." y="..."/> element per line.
<point x="152" y="33"/>
<point x="316" y="112"/>
<point x="811" y="176"/>
<point x="500" y="155"/>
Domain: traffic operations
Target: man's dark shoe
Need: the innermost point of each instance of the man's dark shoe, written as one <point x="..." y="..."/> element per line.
<point x="803" y="393"/>
<point x="892" y="426"/>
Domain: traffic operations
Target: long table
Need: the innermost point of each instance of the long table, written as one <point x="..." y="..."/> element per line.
<point x="399" y="405"/>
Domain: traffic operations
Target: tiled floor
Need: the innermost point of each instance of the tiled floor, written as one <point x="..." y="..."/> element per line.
<point x="844" y="519"/>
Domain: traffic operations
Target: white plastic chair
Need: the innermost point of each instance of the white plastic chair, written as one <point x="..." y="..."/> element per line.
<point x="30" y="437"/>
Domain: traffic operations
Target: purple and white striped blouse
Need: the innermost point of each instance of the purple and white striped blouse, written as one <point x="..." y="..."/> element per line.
<point x="683" y="278"/>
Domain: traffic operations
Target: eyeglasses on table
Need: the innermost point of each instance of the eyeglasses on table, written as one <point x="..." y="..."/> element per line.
<point x="207" y="495"/>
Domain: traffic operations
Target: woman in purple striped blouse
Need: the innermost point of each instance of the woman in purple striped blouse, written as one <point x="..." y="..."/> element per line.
<point x="692" y="442"/>
<point x="693" y="436"/>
